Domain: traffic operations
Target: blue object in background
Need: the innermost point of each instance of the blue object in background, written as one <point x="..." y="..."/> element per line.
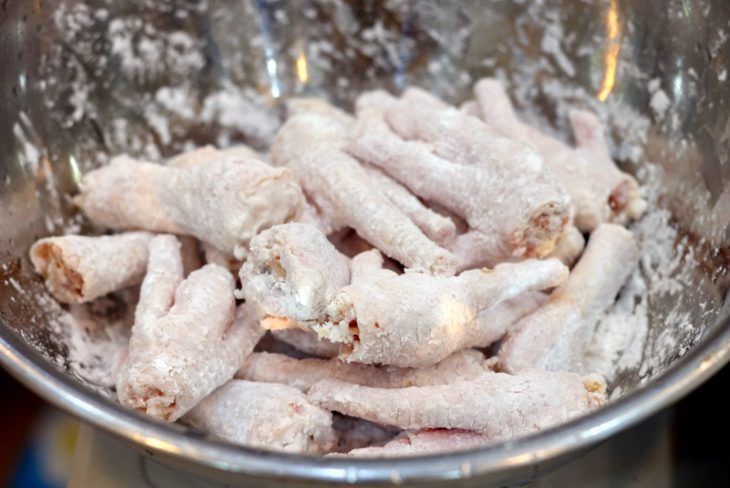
<point x="46" y="459"/>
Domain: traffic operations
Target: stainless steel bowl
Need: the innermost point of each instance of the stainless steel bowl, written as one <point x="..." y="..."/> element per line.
<point x="83" y="80"/>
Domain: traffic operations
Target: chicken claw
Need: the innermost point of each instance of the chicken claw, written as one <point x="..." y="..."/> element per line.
<point x="307" y="342"/>
<point x="422" y="442"/>
<point x="304" y="373"/>
<point x="515" y="208"/>
<point x="311" y="145"/>
<point x="497" y="405"/>
<point x="78" y="269"/>
<point x="293" y="271"/>
<point x="437" y="227"/>
<point x="187" y="337"/>
<point x="414" y="320"/>
<point x="555" y="336"/>
<point x="599" y="191"/>
<point x="569" y="245"/>
<point x="264" y="415"/>
<point x="225" y="202"/>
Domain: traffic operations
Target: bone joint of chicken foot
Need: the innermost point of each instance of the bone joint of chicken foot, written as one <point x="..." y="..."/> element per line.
<point x="264" y="415"/>
<point x="599" y="191"/>
<point x="293" y="271"/>
<point x="497" y="405"/>
<point x="304" y="373"/>
<point x="224" y="202"/>
<point x="513" y="205"/>
<point x="415" y="320"/>
<point x="186" y="340"/>
<point x="78" y="269"/>
<point x="344" y="193"/>
<point x="555" y="336"/>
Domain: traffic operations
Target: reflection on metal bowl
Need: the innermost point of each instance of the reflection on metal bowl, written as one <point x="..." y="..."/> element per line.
<point x="84" y="80"/>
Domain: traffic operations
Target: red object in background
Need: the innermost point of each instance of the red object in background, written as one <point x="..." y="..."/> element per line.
<point x="18" y="412"/>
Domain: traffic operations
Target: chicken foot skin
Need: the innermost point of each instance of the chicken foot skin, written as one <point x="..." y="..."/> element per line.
<point x="224" y="203"/>
<point x="78" y="269"/>
<point x="599" y="191"/>
<point x="555" y="336"/>
<point x="293" y="271"/>
<point x="304" y="373"/>
<point x="497" y="405"/>
<point x="415" y="320"/>
<point x="422" y="442"/>
<point x="344" y="194"/>
<point x="307" y="341"/>
<point x="264" y="415"/>
<point x="187" y="338"/>
<point x="515" y="208"/>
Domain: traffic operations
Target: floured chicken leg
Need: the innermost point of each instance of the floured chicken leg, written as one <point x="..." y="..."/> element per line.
<point x="422" y="442"/>
<point x="206" y="154"/>
<point x="599" y="191"/>
<point x="185" y="342"/>
<point x="224" y="202"/>
<point x="344" y="194"/>
<point x="514" y="206"/>
<point x="415" y="320"/>
<point x="555" y="336"/>
<point x="293" y="271"/>
<point x="304" y="373"/>
<point x="497" y="405"/>
<point x="436" y="227"/>
<point x="264" y="415"/>
<point x="78" y="269"/>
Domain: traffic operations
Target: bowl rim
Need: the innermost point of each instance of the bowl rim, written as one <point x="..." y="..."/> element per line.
<point x="705" y="358"/>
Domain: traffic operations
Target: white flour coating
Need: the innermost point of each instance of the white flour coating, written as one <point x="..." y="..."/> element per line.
<point x="142" y="51"/>
<point x="631" y="346"/>
<point x="650" y="324"/>
<point x="618" y="342"/>
<point x="236" y="109"/>
<point x="96" y="340"/>
<point x="550" y="43"/>
<point x="665" y="269"/>
<point x="96" y="346"/>
<point x="660" y="103"/>
<point x="144" y="54"/>
<point x="33" y="160"/>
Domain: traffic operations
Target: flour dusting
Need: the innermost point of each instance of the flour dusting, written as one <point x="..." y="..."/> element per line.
<point x="168" y="95"/>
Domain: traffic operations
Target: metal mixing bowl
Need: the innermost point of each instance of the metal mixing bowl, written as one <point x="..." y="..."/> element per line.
<point x="83" y="80"/>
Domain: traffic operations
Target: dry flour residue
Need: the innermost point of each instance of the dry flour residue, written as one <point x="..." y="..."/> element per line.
<point x="631" y="338"/>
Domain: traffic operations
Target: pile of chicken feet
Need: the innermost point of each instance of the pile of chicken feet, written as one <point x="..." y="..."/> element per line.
<point x="390" y="249"/>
